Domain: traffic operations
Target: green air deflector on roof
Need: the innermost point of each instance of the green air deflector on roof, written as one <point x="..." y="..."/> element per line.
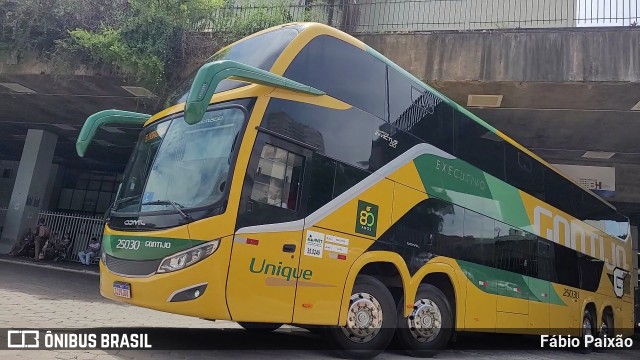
<point x="105" y="117"/>
<point x="211" y="74"/>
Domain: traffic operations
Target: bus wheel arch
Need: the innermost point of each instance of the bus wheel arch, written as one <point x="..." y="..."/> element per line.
<point x="607" y="326"/>
<point x="430" y="324"/>
<point x="371" y="321"/>
<point x="590" y="307"/>
<point x="387" y="267"/>
<point x="445" y="284"/>
<point x="588" y="323"/>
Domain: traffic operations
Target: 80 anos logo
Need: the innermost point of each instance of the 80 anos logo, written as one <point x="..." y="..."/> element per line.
<point x="366" y="218"/>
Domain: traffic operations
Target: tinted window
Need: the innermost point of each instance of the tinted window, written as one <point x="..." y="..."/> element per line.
<point x="389" y="143"/>
<point x="567" y="266"/>
<point x="590" y="272"/>
<point x="345" y="135"/>
<point x="342" y="71"/>
<point x="432" y="228"/>
<point x="524" y="172"/>
<point x="560" y="193"/>
<point x="478" y="146"/>
<point x="544" y="265"/>
<point x="346" y="177"/>
<point x="419" y="112"/>
<point x="321" y="173"/>
<point x="479" y="238"/>
<point x="514" y="249"/>
<point x="260" y="51"/>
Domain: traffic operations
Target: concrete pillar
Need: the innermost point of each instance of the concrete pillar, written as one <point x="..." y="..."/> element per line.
<point x="27" y="198"/>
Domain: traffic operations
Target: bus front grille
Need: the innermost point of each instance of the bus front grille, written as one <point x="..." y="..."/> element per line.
<point x="132" y="267"/>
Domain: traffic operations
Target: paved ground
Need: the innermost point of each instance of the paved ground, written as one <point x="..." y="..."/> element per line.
<point x="36" y="297"/>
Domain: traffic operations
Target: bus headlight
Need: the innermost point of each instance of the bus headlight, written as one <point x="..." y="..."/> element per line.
<point x="187" y="257"/>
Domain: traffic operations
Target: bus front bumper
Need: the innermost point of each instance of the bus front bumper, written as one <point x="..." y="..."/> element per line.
<point x="198" y="290"/>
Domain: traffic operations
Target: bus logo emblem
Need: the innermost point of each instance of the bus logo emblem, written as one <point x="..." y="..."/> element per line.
<point x="367" y="218"/>
<point x="618" y="281"/>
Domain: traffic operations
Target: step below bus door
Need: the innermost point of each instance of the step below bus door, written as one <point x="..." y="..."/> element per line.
<point x="264" y="264"/>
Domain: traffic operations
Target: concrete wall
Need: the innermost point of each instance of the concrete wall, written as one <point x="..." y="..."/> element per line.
<point x="561" y="55"/>
<point x="626" y="175"/>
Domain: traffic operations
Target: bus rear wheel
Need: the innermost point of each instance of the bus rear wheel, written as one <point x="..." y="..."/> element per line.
<point x="607" y="329"/>
<point x="588" y="329"/>
<point x="429" y="326"/>
<point x="260" y="327"/>
<point x="371" y="321"/>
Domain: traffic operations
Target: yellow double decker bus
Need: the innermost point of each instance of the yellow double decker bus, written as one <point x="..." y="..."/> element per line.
<point x="300" y="177"/>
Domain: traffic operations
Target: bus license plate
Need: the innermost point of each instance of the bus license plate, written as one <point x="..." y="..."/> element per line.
<point x="122" y="289"/>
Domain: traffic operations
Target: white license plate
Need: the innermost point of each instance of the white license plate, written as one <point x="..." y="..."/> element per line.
<point x="122" y="289"/>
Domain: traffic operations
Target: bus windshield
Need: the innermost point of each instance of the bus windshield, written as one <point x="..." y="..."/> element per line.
<point x="180" y="165"/>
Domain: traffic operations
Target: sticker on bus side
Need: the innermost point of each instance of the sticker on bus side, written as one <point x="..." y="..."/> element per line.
<point x="367" y="218"/>
<point x="314" y="242"/>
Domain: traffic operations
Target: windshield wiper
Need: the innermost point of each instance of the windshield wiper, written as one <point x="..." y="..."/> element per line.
<point x="174" y="204"/>
<point x="120" y="201"/>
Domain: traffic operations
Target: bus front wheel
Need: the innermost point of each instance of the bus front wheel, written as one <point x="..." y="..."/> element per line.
<point x="371" y="321"/>
<point x="260" y="327"/>
<point x="429" y="326"/>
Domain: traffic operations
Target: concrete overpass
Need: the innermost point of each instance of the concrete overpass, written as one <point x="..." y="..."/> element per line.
<point x="563" y="92"/>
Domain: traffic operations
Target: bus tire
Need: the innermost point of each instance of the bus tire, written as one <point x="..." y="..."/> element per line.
<point x="429" y="327"/>
<point x="372" y="308"/>
<point x="260" y="327"/>
<point x="606" y="329"/>
<point x="588" y="328"/>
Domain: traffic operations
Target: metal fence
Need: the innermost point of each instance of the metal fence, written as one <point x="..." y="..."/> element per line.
<point x="81" y="228"/>
<point x="378" y="16"/>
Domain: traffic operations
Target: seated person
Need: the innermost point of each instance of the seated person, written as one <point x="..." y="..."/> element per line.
<point x="60" y="247"/>
<point x="48" y="248"/>
<point x="92" y="250"/>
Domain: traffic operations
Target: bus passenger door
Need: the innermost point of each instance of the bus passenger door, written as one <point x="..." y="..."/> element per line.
<point x="263" y="269"/>
<point x="513" y="258"/>
<point x="540" y="289"/>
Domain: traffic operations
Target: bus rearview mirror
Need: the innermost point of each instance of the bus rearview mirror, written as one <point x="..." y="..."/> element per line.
<point x="210" y="75"/>
<point x="105" y="117"/>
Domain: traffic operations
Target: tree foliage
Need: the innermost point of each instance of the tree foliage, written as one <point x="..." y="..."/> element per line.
<point x="149" y="40"/>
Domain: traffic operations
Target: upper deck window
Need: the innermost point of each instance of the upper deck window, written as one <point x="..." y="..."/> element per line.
<point x="260" y="51"/>
<point x="343" y="71"/>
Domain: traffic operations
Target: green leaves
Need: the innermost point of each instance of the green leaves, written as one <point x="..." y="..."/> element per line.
<point x="151" y="41"/>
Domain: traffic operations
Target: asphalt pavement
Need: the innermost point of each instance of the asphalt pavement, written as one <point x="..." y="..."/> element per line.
<point x="33" y="296"/>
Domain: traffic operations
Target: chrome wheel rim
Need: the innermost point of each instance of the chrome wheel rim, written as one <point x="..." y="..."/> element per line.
<point x="425" y="321"/>
<point x="364" y="318"/>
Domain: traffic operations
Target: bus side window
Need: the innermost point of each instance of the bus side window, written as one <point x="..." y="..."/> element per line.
<point x="277" y="178"/>
<point x="479" y="236"/>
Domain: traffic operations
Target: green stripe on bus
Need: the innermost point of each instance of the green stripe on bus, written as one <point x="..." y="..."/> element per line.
<point x="144" y="247"/>
<point x="452" y="178"/>
<point x="505" y="283"/>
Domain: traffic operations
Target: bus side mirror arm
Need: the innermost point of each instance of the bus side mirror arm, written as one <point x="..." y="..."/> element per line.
<point x="211" y="74"/>
<point x="105" y="117"/>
